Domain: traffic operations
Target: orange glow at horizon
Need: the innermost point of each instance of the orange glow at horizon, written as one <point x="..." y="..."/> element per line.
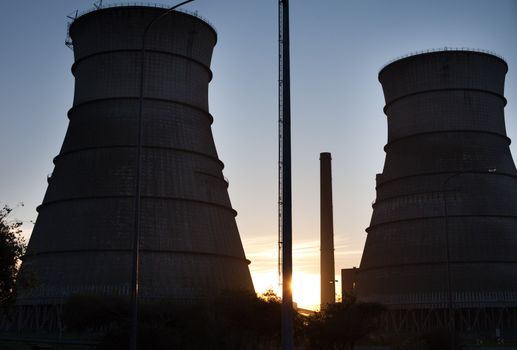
<point x="305" y="287"/>
<point x="262" y="252"/>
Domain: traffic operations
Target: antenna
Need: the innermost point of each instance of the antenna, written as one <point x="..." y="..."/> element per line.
<point x="72" y="17"/>
<point x="98" y="4"/>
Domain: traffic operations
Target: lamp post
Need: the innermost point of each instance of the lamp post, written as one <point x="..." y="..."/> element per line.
<point x="452" y="321"/>
<point x="138" y="189"/>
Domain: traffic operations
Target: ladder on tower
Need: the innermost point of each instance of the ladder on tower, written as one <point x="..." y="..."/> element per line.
<point x="280" y="139"/>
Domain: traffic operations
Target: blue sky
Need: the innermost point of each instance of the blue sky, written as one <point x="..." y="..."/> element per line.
<point x="338" y="47"/>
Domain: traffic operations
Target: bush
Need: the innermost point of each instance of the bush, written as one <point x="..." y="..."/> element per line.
<point x="342" y="325"/>
<point x="232" y="320"/>
<point x="12" y="248"/>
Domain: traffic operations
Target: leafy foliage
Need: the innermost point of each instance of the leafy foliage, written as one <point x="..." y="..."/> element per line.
<point x="342" y="325"/>
<point x="85" y="312"/>
<point x="232" y="320"/>
<point x="12" y="248"/>
<point x="436" y="339"/>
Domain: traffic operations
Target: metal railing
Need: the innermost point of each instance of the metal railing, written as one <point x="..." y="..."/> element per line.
<point x="441" y="49"/>
<point x="462" y="299"/>
<point x="76" y="14"/>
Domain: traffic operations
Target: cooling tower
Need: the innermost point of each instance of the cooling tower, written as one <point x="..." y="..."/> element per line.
<point x="83" y="238"/>
<point x="444" y="225"/>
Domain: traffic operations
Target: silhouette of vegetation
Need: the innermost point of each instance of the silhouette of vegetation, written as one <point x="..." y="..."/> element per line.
<point x="12" y="248"/>
<point x="94" y="312"/>
<point x="232" y="320"/>
<point x="438" y="339"/>
<point x="341" y="325"/>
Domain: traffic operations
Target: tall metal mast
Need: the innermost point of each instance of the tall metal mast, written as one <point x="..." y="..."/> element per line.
<point x="284" y="175"/>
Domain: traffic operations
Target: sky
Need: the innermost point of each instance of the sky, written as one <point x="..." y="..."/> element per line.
<point x="337" y="50"/>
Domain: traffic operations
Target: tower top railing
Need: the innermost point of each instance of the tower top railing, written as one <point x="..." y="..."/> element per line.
<point x="76" y="14"/>
<point x="442" y="49"/>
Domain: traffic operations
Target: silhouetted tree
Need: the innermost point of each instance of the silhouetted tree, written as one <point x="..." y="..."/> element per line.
<point x="440" y="339"/>
<point x="269" y="295"/>
<point x="231" y="320"/>
<point x="341" y="325"/>
<point x="12" y="248"/>
<point x="246" y="321"/>
<point x="95" y="312"/>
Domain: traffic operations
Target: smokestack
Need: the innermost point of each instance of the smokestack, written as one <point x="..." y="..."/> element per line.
<point x="327" y="232"/>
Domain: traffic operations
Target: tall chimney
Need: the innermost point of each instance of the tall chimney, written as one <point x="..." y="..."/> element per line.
<point x="327" y="232"/>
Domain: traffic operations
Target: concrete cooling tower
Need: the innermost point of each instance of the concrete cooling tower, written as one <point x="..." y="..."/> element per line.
<point x="443" y="233"/>
<point x="83" y="238"/>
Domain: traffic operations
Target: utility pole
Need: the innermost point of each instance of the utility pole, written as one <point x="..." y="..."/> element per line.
<point x="284" y="175"/>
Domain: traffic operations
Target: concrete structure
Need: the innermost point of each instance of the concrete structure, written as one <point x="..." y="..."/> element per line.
<point x="327" y="273"/>
<point x="83" y="238"/>
<point x="348" y="282"/>
<point x="443" y="233"/>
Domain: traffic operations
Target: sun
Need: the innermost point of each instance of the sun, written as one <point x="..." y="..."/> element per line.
<point x="305" y="287"/>
<point x="306" y="290"/>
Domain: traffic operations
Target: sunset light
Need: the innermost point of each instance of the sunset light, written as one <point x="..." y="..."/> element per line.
<point x="306" y="278"/>
<point x="287" y="175"/>
<point x="306" y="290"/>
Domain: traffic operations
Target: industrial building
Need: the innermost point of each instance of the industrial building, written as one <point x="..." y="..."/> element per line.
<point x="83" y="240"/>
<point x="443" y="235"/>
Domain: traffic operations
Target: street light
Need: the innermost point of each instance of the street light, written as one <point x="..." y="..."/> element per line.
<point x="452" y="321"/>
<point x="136" y="238"/>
